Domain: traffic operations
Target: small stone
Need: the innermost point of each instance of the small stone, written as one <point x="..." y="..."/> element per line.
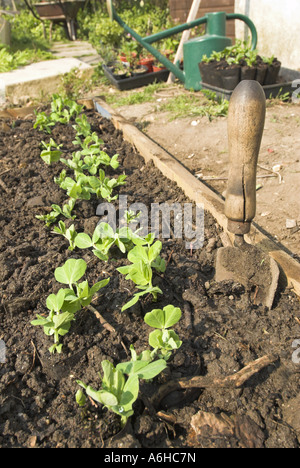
<point x="290" y="223"/>
<point x="35" y="202"/>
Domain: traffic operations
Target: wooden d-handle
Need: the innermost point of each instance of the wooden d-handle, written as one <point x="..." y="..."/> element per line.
<point x="246" y="117"/>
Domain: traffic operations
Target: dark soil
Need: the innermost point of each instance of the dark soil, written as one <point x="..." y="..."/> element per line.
<point x="221" y="330"/>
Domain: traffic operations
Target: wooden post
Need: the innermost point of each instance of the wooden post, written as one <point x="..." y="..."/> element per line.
<point x="185" y="36"/>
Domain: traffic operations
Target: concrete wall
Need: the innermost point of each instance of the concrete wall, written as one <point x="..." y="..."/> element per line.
<point x="278" y="27"/>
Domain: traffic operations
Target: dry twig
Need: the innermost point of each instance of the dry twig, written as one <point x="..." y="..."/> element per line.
<point x="232" y="381"/>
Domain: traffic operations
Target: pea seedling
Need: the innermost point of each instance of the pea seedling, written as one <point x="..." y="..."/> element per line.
<point x="143" y="259"/>
<point x="64" y="305"/>
<point x="49" y="155"/>
<point x="69" y="233"/>
<point x="117" y="393"/>
<point x="82" y="126"/>
<point x="163" y="341"/>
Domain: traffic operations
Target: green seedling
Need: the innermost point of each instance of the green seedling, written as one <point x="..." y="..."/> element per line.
<point x="51" y="217"/>
<point x="63" y="109"/>
<point x="77" y="189"/>
<point x="143" y="259"/>
<point x="43" y="122"/>
<point x="163" y="341"/>
<point x="59" y="180"/>
<point x="57" y="323"/>
<point x="70" y="273"/>
<point x="145" y="368"/>
<point x="76" y="163"/>
<point x="91" y="144"/>
<point x="49" y="155"/>
<point x="94" y="156"/>
<point x="66" y="210"/>
<point x="103" y="186"/>
<point x="80" y="398"/>
<point x="82" y="126"/>
<point x="131" y="217"/>
<point x="103" y="239"/>
<point x="118" y="394"/>
<point x="69" y="233"/>
<point x="92" y="162"/>
<point x="64" y="305"/>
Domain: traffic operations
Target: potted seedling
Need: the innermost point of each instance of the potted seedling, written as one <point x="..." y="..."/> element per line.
<point x="148" y="62"/>
<point x="120" y="71"/>
<point x="273" y="69"/>
<point x="261" y="70"/>
<point x="236" y="63"/>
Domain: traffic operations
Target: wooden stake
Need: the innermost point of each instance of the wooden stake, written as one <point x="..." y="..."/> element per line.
<point x="185" y="36"/>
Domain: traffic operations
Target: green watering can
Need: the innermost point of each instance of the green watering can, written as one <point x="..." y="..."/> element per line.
<point x="193" y="50"/>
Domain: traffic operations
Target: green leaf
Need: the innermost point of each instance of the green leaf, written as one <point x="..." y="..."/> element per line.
<point x="113" y="380"/>
<point x="138" y="253"/>
<point x="55" y="302"/>
<point x="155" y="318"/>
<point x="165" y="318"/>
<point x="71" y="271"/>
<point x="100" y="255"/>
<point x="40" y="321"/>
<point x="152" y="369"/>
<point x="155" y="339"/>
<point x="83" y="241"/>
<point x="130" y="392"/>
<point x="143" y="369"/>
<point x="132" y="367"/>
<point x="62" y="322"/>
<point x="172" y="315"/>
<point x="97" y="286"/>
<point x="107" y="399"/>
<point x="114" y="161"/>
<point x="154" y="251"/>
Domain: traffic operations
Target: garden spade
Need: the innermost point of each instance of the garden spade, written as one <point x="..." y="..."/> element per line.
<point x="245" y="263"/>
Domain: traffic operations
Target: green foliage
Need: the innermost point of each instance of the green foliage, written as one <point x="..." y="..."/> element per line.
<point x="10" y="60"/>
<point x="64" y="305"/>
<point x="120" y="384"/>
<point x="239" y="53"/>
<point x="69" y="233"/>
<point x="66" y="211"/>
<point x="147" y="94"/>
<point x="185" y="105"/>
<point x="144" y="19"/>
<point x="118" y="394"/>
<point x="104" y="238"/>
<point x="62" y="110"/>
<point x="163" y="340"/>
<point x="48" y="155"/>
<point x="143" y="258"/>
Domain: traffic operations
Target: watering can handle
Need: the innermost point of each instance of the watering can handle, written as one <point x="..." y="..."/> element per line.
<point x="249" y="23"/>
<point x="246" y="117"/>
